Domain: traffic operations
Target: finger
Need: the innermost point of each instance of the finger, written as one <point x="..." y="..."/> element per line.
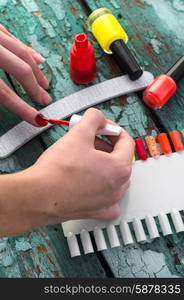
<point x="103" y="146"/>
<point x="39" y="59"/>
<point x="13" y="65"/>
<point x="92" y="120"/>
<point x="20" y="50"/>
<point x="124" y="147"/>
<point x="13" y="102"/>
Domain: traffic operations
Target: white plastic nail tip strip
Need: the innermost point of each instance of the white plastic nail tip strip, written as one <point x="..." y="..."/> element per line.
<point x="177" y="220"/>
<point x="86" y="242"/>
<point x="113" y="236"/>
<point x="73" y="245"/>
<point x="152" y="228"/>
<point x="164" y="223"/>
<point x="100" y="239"/>
<point x="139" y="230"/>
<point x="126" y="233"/>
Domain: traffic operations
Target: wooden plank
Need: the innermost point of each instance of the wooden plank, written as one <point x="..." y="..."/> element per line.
<point x="157" y="46"/>
<point x="42" y="252"/>
<point x="128" y="111"/>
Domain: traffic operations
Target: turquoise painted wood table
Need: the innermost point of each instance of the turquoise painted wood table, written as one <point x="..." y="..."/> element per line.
<point x="155" y="29"/>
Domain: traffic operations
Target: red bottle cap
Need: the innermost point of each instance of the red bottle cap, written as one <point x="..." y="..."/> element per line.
<point x="82" y="60"/>
<point x="140" y="148"/>
<point x="159" y="91"/>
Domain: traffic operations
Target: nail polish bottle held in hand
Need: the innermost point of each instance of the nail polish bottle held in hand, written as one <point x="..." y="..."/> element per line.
<point x="82" y="60"/>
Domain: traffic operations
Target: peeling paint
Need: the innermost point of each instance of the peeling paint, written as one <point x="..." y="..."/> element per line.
<point x="3" y="3"/>
<point x="57" y="7"/>
<point x="22" y="245"/>
<point x="178" y="5"/>
<point x="156" y="44"/>
<point x="169" y="16"/>
<point x="30" y="5"/>
<point x="6" y="260"/>
<point x="114" y="4"/>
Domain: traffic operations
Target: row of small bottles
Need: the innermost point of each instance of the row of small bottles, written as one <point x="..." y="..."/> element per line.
<point x="153" y="146"/>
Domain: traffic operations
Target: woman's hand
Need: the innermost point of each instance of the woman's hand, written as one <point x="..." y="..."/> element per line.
<point x="81" y="176"/>
<point x="78" y="177"/>
<point x="21" y="61"/>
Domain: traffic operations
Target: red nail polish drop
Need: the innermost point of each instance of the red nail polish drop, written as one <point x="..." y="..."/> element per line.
<point x="82" y="60"/>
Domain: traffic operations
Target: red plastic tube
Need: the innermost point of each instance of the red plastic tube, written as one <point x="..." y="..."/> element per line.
<point x="82" y="60"/>
<point x="140" y="148"/>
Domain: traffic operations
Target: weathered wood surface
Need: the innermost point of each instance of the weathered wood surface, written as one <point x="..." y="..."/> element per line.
<point x="155" y="29"/>
<point x="50" y="26"/>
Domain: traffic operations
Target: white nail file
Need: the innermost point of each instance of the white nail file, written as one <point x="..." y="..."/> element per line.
<point x="63" y="108"/>
<point x="156" y="190"/>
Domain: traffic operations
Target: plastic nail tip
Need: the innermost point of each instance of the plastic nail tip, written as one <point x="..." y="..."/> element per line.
<point x="100" y="239"/>
<point x="113" y="236"/>
<point x="152" y="146"/>
<point x="177" y="220"/>
<point x="86" y="242"/>
<point x="176" y="140"/>
<point x="152" y="227"/>
<point x="139" y="230"/>
<point x="164" y="223"/>
<point x="164" y="143"/>
<point x="140" y="148"/>
<point x="73" y="245"/>
<point x="126" y="233"/>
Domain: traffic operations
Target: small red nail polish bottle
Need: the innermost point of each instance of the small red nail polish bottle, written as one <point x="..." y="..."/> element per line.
<point x="163" y="87"/>
<point x="82" y="60"/>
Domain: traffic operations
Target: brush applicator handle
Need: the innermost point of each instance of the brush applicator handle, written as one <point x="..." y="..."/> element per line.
<point x="109" y="129"/>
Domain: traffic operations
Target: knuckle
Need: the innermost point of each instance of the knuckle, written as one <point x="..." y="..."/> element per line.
<point x="122" y="173"/>
<point x="96" y="112"/>
<point x="26" y="70"/>
<point x="23" y="52"/>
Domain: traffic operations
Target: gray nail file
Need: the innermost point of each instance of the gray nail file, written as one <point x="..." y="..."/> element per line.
<point x="65" y="107"/>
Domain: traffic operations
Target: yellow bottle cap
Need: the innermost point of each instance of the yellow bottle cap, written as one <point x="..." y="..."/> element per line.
<point x="106" y="28"/>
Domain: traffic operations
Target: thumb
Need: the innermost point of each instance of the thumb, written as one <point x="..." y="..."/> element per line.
<point x="92" y="120"/>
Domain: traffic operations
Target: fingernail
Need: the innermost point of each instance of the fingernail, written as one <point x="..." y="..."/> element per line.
<point x="44" y="82"/>
<point x="40" y="120"/>
<point x="46" y="99"/>
<point x="38" y="58"/>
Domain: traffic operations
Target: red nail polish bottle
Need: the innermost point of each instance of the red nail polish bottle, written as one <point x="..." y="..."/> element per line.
<point x="82" y="60"/>
<point x="163" y="87"/>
